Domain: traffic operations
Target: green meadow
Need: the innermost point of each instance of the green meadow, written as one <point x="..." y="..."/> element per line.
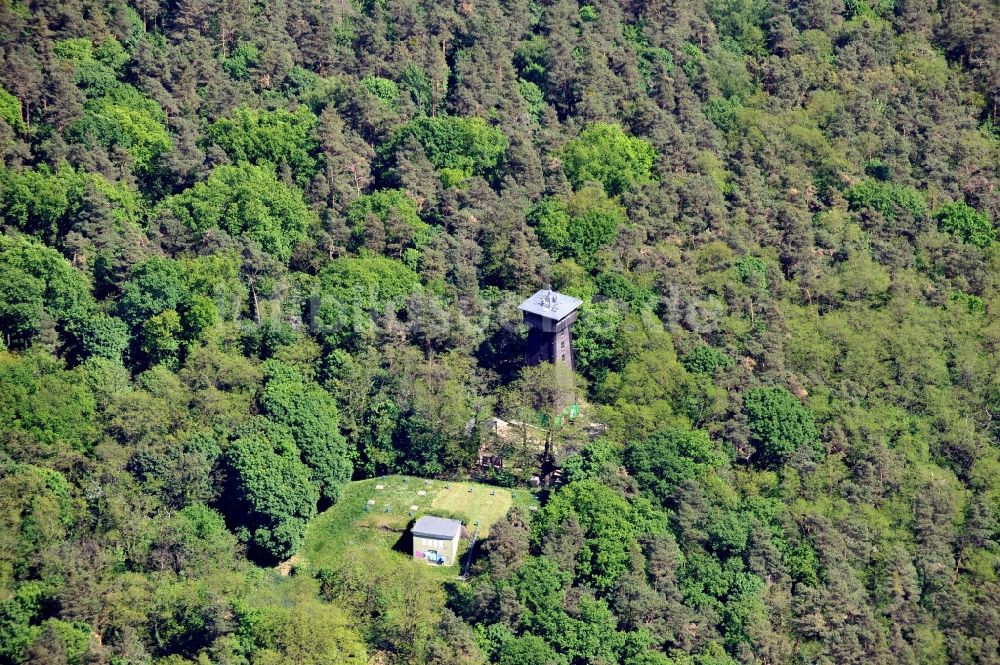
<point x="373" y="516"/>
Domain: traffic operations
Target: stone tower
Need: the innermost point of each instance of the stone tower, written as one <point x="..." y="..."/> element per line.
<point x="549" y="317"/>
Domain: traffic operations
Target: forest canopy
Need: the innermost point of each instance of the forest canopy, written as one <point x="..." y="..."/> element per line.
<point x="254" y="252"/>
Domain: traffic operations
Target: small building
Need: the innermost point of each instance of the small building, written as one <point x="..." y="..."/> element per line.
<point x="435" y="540"/>
<point x="549" y="316"/>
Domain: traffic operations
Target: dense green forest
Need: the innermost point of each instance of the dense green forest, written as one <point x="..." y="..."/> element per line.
<point x="252" y="250"/>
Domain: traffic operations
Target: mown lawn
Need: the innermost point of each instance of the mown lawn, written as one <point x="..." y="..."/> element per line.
<point x="394" y="601"/>
<point x="373" y="522"/>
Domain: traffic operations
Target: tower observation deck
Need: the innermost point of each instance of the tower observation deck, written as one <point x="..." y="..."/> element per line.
<point x="549" y="316"/>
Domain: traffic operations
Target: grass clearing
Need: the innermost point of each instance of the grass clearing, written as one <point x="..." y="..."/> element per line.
<point x="485" y="504"/>
<point x="356" y="528"/>
<point x="368" y="548"/>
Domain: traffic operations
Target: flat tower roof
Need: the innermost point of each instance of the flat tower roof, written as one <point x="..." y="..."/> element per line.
<point x="436" y="527"/>
<point x="550" y="304"/>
